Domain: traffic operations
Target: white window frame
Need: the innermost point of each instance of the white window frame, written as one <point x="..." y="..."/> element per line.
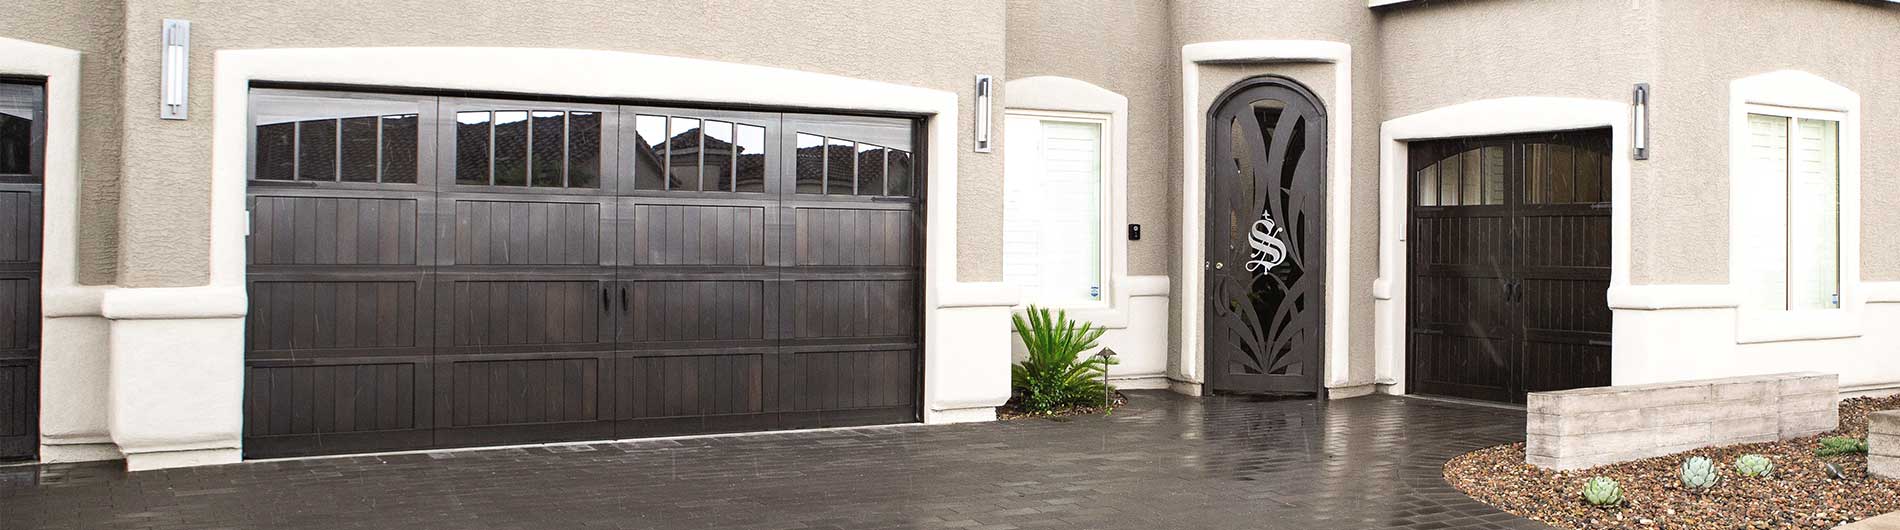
<point x="1795" y="95"/>
<point x="1072" y="99"/>
<point x="1105" y="230"/>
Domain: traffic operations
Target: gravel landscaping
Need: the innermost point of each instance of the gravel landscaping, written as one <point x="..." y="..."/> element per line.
<point x="1798" y="494"/>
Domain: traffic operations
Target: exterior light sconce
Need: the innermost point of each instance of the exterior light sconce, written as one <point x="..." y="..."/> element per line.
<point x="984" y="87"/>
<point x="1639" y="122"/>
<point x="175" y="70"/>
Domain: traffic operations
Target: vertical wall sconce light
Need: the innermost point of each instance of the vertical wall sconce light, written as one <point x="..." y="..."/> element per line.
<point x="1639" y="122"/>
<point x="983" y="89"/>
<point x="175" y="70"/>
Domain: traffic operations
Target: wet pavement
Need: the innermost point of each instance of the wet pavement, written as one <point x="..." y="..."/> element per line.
<point x="1164" y="461"/>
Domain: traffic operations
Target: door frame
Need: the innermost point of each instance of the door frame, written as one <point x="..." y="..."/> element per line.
<point x="1489" y="117"/>
<point x="1326" y="185"/>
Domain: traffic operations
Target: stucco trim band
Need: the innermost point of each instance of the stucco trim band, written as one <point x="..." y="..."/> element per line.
<point x="1485" y="118"/>
<point x="1338" y="191"/>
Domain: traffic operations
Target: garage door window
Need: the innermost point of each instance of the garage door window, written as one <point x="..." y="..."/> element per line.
<point x="1053" y="206"/>
<point x="1796" y="171"/>
<point x="18" y="105"/>
<point x="336" y="139"/>
<point x="686" y="153"/>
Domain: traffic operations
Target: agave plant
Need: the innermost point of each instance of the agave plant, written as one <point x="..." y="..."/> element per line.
<point x="1699" y="473"/>
<point x="1055" y="375"/>
<point x="1754" y="466"/>
<point x="1602" y="491"/>
<point x="1840" y="445"/>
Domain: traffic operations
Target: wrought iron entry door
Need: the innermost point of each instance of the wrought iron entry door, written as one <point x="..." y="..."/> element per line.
<point x="1266" y="247"/>
<point x="1509" y="265"/>
<point x="22" y="144"/>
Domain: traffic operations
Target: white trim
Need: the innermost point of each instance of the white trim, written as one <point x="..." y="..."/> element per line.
<point x="1484" y="118"/>
<point x="1067" y="98"/>
<point x="1338" y="192"/>
<point x="1661" y="297"/>
<point x="1795" y="94"/>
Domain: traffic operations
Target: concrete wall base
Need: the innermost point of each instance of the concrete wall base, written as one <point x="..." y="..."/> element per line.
<point x="1139" y="382"/>
<point x="171" y="459"/>
<point x="1351" y="391"/>
<point x="78" y="452"/>
<point x="1188" y="388"/>
<point x="1883" y="444"/>
<point x="963" y="415"/>
<point x="1588" y="427"/>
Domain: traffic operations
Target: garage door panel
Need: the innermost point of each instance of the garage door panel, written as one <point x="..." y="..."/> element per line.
<point x="854" y="237"/>
<point x="527" y="147"/>
<point x="540" y="389"/>
<point x="524" y="313"/>
<point x="844" y="308"/>
<point x="501" y="231"/>
<point x="691" y="385"/>
<point x="304" y="318"/>
<point x="19" y="226"/>
<point x="698" y="234"/>
<point x="338" y="228"/>
<point x="663" y="312"/>
<point x="351" y="396"/>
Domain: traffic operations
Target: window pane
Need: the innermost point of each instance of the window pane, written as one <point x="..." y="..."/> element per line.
<point x="1815" y="220"/>
<point x="1536" y="171"/>
<point x="1428" y="186"/>
<point x="1449" y="170"/>
<point x="683" y="164"/>
<point x="1493" y="170"/>
<point x="511" y="148"/>
<point x="899" y="173"/>
<point x="359" y="149"/>
<point x="316" y="150"/>
<point x="1768" y="149"/>
<point x="548" y="146"/>
<point x="471" y="148"/>
<point x="1471" y="177"/>
<point x="649" y="165"/>
<point x="751" y="153"/>
<point x="399" y="148"/>
<point x="811" y="163"/>
<point x="1052" y="209"/>
<point x="18" y="105"/>
<point x="1563" y="169"/>
<point x="276" y="151"/>
<point x="718" y="146"/>
<point x="870" y="170"/>
<point x="583" y="150"/>
<point x="841" y="161"/>
<point x="1590" y="177"/>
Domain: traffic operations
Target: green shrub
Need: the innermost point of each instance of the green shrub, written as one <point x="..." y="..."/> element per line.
<point x="1840" y="445"/>
<point x="1754" y="466"/>
<point x="1602" y="491"/>
<point x="1055" y="376"/>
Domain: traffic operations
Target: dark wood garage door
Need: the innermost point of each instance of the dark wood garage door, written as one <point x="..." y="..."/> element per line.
<point x="1510" y="265"/>
<point x="449" y="271"/>
<point x="22" y="147"/>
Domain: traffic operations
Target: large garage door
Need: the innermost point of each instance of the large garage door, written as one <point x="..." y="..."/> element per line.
<point x="22" y="133"/>
<point x="447" y="271"/>
<point x="1510" y="265"/>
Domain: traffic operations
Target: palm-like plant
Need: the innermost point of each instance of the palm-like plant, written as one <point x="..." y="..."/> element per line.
<point x="1055" y="375"/>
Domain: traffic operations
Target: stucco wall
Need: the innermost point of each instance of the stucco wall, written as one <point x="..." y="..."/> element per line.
<point x="1348" y="22"/>
<point x="1120" y="47"/>
<point x="1759" y="36"/>
<point x="93" y="29"/>
<point x="165" y="206"/>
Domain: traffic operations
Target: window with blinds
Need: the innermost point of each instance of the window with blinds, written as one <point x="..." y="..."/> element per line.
<point x="1796" y="167"/>
<point x="1052" y="207"/>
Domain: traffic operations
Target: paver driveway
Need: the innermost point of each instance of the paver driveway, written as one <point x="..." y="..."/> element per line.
<point x="1164" y="461"/>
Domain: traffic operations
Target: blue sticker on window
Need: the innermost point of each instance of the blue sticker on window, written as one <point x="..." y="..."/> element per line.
<point x="1095" y="291"/>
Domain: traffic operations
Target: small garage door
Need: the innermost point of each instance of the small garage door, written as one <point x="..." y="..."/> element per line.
<point x="22" y="144"/>
<point x="447" y="271"/>
<point x="1510" y="265"/>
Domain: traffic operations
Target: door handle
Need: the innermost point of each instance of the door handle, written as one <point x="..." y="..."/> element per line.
<point x="605" y="305"/>
<point x="623" y="298"/>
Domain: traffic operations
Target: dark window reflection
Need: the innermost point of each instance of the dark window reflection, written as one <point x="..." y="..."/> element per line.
<point x="870" y="170"/>
<point x="840" y="161"/>
<point x="683" y="162"/>
<point x="583" y="149"/>
<point x="811" y="163"/>
<point x="16" y="143"/>
<point x="718" y="165"/>
<point x="1589" y="176"/>
<point x="399" y="148"/>
<point x="649" y="164"/>
<point x="751" y="159"/>
<point x="359" y="149"/>
<point x="471" y="148"/>
<point x="316" y="154"/>
<point x="1562" y="168"/>
<point x="276" y="151"/>
<point x="550" y="144"/>
<point x="899" y="173"/>
<point x="511" y="148"/>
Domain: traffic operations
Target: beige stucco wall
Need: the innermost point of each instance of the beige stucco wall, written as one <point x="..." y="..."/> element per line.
<point x="166" y="196"/>
<point x="1120" y="47"/>
<point x="1691" y="116"/>
<point x="1348" y="22"/>
<point x="93" y="29"/>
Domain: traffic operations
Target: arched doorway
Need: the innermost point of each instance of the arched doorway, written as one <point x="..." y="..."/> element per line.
<point x="1266" y="237"/>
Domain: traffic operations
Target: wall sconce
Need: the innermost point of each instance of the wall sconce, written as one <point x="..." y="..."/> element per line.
<point x="983" y="89"/>
<point x="1639" y="122"/>
<point x="175" y="70"/>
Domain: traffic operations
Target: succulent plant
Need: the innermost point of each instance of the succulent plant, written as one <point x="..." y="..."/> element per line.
<point x="1699" y="473"/>
<point x="1754" y="466"/>
<point x="1602" y="491"/>
<point x="1840" y="445"/>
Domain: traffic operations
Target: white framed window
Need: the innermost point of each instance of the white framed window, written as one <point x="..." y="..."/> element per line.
<point x="1794" y="166"/>
<point x="1055" y="206"/>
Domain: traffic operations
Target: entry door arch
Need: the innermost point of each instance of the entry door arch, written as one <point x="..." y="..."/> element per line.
<point x="1266" y="238"/>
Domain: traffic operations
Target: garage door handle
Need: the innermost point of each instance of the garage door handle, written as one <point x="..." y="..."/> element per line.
<point x="605" y="305"/>
<point x="623" y="298"/>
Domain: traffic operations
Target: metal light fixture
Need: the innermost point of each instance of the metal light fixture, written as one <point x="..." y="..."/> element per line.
<point x="983" y="89"/>
<point x="175" y="70"/>
<point x="1639" y="120"/>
